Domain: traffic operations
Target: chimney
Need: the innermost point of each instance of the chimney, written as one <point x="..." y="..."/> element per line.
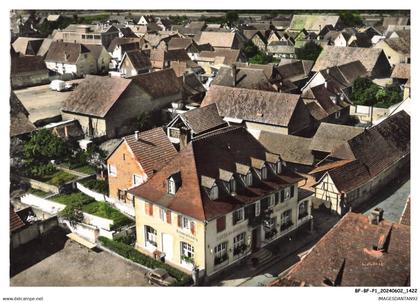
<point x="376" y="216"/>
<point x="136" y="135"/>
<point x="233" y="66"/>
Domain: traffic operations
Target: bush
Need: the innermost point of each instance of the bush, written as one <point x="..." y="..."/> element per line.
<point x="365" y="92"/>
<point x="96" y="185"/>
<point x="39" y="171"/>
<point x="130" y="253"/>
<point x="310" y="51"/>
<point x="106" y="211"/>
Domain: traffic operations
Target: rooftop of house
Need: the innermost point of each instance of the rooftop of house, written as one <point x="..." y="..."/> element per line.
<point x="294" y="70"/>
<point x="27" y="46"/>
<point x="227" y="56"/>
<point x="152" y="149"/>
<point x="192" y="85"/>
<point x="406" y="215"/>
<point x="203" y="119"/>
<point x="212" y="158"/>
<point x="19" y="122"/>
<point x="402" y="20"/>
<point x="253" y="105"/>
<point x="344" y="75"/>
<point x="399" y="44"/>
<point x="328" y="96"/>
<point x="401" y="71"/>
<point x="293" y="149"/>
<point x="332" y="56"/>
<point x="23" y="64"/>
<point x="248" y="78"/>
<point x="356" y="252"/>
<point x="128" y="43"/>
<point x="138" y="59"/>
<point x="16" y="222"/>
<point x="329" y="135"/>
<point x="217" y="39"/>
<point x="180" y="43"/>
<point x="62" y="52"/>
<point x="45" y="46"/>
<point x="312" y="22"/>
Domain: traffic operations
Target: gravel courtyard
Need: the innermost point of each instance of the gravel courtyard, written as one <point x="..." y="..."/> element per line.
<point x="66" y="263"/>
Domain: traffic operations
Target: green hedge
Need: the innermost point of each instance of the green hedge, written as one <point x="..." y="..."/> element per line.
<point x="131" y="253"/>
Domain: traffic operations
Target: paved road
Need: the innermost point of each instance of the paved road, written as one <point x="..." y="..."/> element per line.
<point x="64" y="262"/>
<point x="41" y="102"/>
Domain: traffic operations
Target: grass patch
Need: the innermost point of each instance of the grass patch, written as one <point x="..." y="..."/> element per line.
<point x="87" y="169"/>
<point x="37" y="192"/>
<point x="67" y="199"/>
<point x="100" y="186"/>
<point x="57" y="178"/>
<point x="106" y="211"/>
<point x="134" y="255"/>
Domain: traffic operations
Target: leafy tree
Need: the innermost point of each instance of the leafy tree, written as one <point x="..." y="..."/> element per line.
<point x="44" y="147"/>
<point x="260" y="58"/>
<point x="250" y="49"/>
<point x="351" y="19"/>
<point x="231" y="17"/>
<point x="310" y="51"/>
<point x="365" y="92"/>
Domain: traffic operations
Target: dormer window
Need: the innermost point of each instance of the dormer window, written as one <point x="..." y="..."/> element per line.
<point x="210" y="186"/>
<point x="214" y="193"/>
<point x="264" y="172"/>
<point x="174" y="183"/>
<point x="278" y="167"/>
<point x="232" y="185"/>
<point x="248" y="179"/>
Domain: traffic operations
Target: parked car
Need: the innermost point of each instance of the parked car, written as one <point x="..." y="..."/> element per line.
<point x="60" y="86"/>
<point x="159" y="277"/>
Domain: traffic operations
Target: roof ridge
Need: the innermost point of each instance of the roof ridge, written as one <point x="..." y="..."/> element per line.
<point x="216" y="132"/>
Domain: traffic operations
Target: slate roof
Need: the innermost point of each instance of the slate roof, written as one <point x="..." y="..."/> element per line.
<point x="294" y="70"/>
<point x="203" y="119"/>
<point x="45" y="46"/>
<point x="346" y="256"/>
<point x="344" y="75"/>
<point x="23" y="64"/>
<point x="328" y="136"/>
<point x="315" y="110"/>
<point x="95" y="95"/>
<point x="19" y="122"/>
<point x="191" y="85"/>
<point x="332" y="56"/>
<point x="62" y="52"/>
<point x="395" y="21"/>
<point x="247" y="78"/>
<point x="293" y="149"/>
<point x="254" y="105"/>
<point x="16" y="222"/>
<point x="129" y="43"/>
<point x="329" y="98"/>
<point x="399" y="44"/>
<point x="153" y="150"/>
<point x="206" y="156"/>
<point x="180" y="43"/>
<point x="401" y="71"/>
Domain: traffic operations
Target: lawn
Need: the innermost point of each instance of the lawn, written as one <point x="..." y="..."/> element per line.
<point x="57" y="178"/>
<point x="89" y="205"/>
<point x="87" y="169"/>
<point x="37" y="192"/>
<point x="100" y="186"/>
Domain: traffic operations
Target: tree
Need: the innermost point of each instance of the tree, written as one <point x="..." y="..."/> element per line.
<point x="44" y="147"/>
<point x="366" y="92"/>
<point x="310" y="51"/>
<point x="260" y="58"/>
<point x="351" y="19"/>
<point x="231" y="17"/>
<point x="250" y="50"/>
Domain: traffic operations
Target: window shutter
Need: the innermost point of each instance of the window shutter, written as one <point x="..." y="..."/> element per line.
<point x="151" y="209"/>
<point x="180" y="221"/>
<point x="292" y="191"/>
<point x="168" y="216"/>
<point x="146" y="208"/>
<point x="192" y="228"/>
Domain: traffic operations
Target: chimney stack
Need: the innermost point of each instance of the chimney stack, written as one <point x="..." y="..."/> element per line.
<point x="376" y="216"/>
<point x="233" y="67"/>
<point x="136" y="135"/>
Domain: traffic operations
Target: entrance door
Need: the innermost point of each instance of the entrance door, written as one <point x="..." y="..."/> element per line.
<point x="167" y="245"/>
<point x="254" y="241"/>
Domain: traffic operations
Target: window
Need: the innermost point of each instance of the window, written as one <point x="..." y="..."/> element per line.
<point x="271" y="200"/>
<point x="151" y="235"/>
<point x="185" y="222"/>
<point x="278" y="167"/>
<point x="286" y="219"/>
<point x="248" y="179"/>
<point x="137" y="180"/>
<point x="264" y="172"/>
<point x="162" y="214"/>
<point x="148" y="208"/>
<point x="287" y="193"/>
<point x="112" y="170"/>
<point x="221" y="224"/>
<point x="171" y="186"/>
<point x="214" y="192"/>
<point x="257" y="208"/>
<point x="122" y="194"/>
<point x="174" y="132"/>
<point x="220" y="253"/>
<point x="239" y="244"/>
<point x="232" y="184"/>
<point x="123" y="157"/>
<point x="303" y="209"/>
<point x="281" y="196"/>
<point x="187" y="251"/>
<point x="168" y="216"/>
<point x="337" y="115"/>
<point x="238" y="216"/>
<point x="292" y="191"/>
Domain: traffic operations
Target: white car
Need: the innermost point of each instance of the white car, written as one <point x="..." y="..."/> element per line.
<point x="60" y="86"/>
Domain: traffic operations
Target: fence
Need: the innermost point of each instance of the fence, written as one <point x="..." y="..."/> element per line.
<point x="123" y="207"/>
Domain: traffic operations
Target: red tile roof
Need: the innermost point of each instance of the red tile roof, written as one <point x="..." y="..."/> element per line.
<point x="346" y="256"/>
<point x="15" y="222"/>
<point x="205" y="156"/>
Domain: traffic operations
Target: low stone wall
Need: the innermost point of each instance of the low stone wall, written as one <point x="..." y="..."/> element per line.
<point x="41" y="185"/>
<point x="43" y="204"/>
<point x="33" y="231"/>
